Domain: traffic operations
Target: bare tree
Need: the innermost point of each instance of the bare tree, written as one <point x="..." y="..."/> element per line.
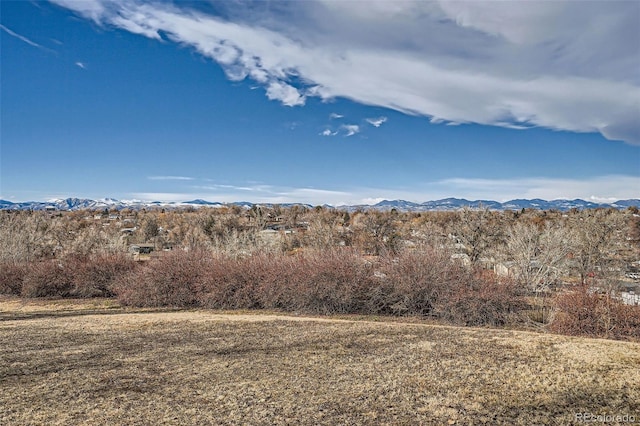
<point x="478" y="230"/>
<point x="24" y="236"/>
<point x="596" y="235"/>
<point x="375" y="232"/>
<point x="539" y="255"/>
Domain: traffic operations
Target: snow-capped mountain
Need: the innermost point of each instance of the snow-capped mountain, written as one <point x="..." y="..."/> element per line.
<point x="73" y="204"/>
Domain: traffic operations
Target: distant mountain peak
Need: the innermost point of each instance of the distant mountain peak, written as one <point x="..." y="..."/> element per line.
<point x="445" y="204"/>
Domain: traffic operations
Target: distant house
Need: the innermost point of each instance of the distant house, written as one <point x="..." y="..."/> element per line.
<point x="141" y="252"/>
<point x="630" y="298"/>
<point x="629" y="294"/>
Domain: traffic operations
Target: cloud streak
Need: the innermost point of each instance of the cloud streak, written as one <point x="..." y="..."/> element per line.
<point x="599" y="188"/>
<point x="24" y="39"/>
<point x="561" y="65"/>
<point x="262" y="194"/>
<point x="170" y="178"/>
<point x="596" y="189"/>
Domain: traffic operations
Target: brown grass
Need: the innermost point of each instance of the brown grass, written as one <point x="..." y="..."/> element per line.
<point x="93" y="362"/>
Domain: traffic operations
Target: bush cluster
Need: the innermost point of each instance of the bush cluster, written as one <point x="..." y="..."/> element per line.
<point x="584" y="313"/>
<point x="11" y="276"/>
<point x="322" y="282"/>
<point x="424" y="283"/>
<point x="90" y="276"/>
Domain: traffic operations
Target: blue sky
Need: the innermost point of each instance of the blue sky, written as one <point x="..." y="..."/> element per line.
<point x="319" y="101"/>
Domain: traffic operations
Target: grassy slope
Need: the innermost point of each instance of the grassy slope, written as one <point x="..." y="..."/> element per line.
<point x="92" y="363"/>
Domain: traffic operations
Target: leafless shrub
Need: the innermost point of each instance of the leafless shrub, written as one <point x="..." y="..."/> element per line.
<point x="94" y="276"/>
<point x="429" y="283"/>
<point x="326" y="283"/>
<point x="167" y="281"/>
<point x="479" y="300"/>
<point x="231" y="283"/>
<point x="585" y="313"/>
<point x="47" y="278"/>
<point x="333" y="281"/>
<point x="418" y="279"/>
<point x="337" y="281"/>
<point x="279" y="287"/>
<point x="11" y="277"/>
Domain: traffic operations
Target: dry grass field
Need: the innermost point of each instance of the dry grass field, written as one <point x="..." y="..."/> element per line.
<point x="92" y="362"/>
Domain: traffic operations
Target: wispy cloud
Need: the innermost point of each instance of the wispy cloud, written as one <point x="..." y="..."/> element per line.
<point x="24" y="39"/>
<point x="561" y="65"/>
<point x="170" y="178"/>
<point x="266" y="194"/>
<point x="597" y="189"/>
<point x="81" y="65"/>
<point x="218" y="187"/>
<point x="335" y="116"/>
<point x="376" y="122"/>
<point x="350" y="129"/>
<point x="328" y="132"/>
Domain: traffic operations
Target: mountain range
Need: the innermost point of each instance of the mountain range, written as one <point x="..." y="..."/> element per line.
<point x="72" y="204"/>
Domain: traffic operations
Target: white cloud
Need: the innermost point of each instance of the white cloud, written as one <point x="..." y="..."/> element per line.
<point x="165" y="197"/>
<point x="562" y="65"/>
<point x="81" y="65"/>
<point x="266" y="194"/>
<point x="218" y="187"/>
<point x="376" y="122"/>
<point x="350" y="129"/>
<point x="170" y="178"/>
<point x="335" y="115"/>
<point x="285" y="93"/>
<point x="328" y="132"/>
<point x="370" y="201"/>
<point x="616" y="187"/>
<point x="93" y="9"/>
<point x="596" y="189"/>
<point x="23" y="38"/>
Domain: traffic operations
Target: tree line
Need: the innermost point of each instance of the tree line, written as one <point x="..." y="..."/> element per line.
<point x="397" y="263"/>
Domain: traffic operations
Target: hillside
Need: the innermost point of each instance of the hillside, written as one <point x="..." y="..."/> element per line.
<point x="78" y="362"/>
